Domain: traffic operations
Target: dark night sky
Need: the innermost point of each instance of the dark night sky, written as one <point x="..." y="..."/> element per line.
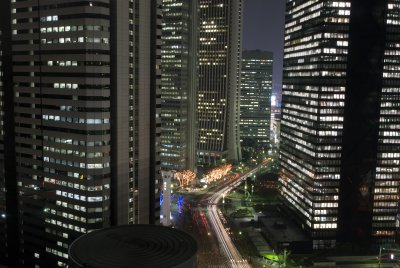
<point x="263" y="29"/>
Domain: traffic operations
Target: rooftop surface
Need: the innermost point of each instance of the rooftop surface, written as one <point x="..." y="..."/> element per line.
<point x="134" y="245"/>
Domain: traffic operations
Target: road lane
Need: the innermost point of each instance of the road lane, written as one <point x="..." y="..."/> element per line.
<point x="234" y="257"/>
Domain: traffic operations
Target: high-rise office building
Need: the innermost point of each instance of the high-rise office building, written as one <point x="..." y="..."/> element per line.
<point x="340" y="120"/>
<point x="255" y="98"/>
<point x="219" y="53"/>
<point x="386" y="183"/>
<point x="85" y="90"/>
<point x="179" y="82"/>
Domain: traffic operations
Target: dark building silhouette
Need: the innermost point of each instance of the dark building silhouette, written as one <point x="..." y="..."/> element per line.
<point x="340" y="138"/>
<point x="79" y="132"/>
<point x="8" y="185"/>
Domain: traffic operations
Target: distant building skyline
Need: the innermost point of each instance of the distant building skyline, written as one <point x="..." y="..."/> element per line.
<point x="255" y="98"/>
<point x="263" y="28"/>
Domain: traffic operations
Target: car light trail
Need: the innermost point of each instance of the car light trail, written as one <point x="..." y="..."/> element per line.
<point x="225" y="242"/>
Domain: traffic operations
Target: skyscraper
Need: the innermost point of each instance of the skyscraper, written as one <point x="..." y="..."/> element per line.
<point x="219" y="53"/>
<point x="85" y="83"/>
<point x="386" y="183"/>
<point x="179" y="84"/>
<point x="255" y="98"/>
<point x="340" y="114"/>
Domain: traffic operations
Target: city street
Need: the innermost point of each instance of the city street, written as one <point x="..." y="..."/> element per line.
<point x="199" y="215"/>
<point x="235" y="259"/>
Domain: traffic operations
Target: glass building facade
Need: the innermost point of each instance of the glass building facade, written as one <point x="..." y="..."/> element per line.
<point x="339" y="111"/>
<point x="219" y="59"/>
<point x="179" y="84"/>
<point x="86" y="109"/>
<point x="386" y="217"/>
<point x="255" y="97"/>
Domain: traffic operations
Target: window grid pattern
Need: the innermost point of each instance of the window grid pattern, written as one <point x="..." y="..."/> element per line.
<point x="385" y="222"/>
<point x="176" y="74"/>
<point x="62" y="123"/>
<point x="219" y="79"/>
<point x="312" y="113"/>
<point x="255" y="97"/>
